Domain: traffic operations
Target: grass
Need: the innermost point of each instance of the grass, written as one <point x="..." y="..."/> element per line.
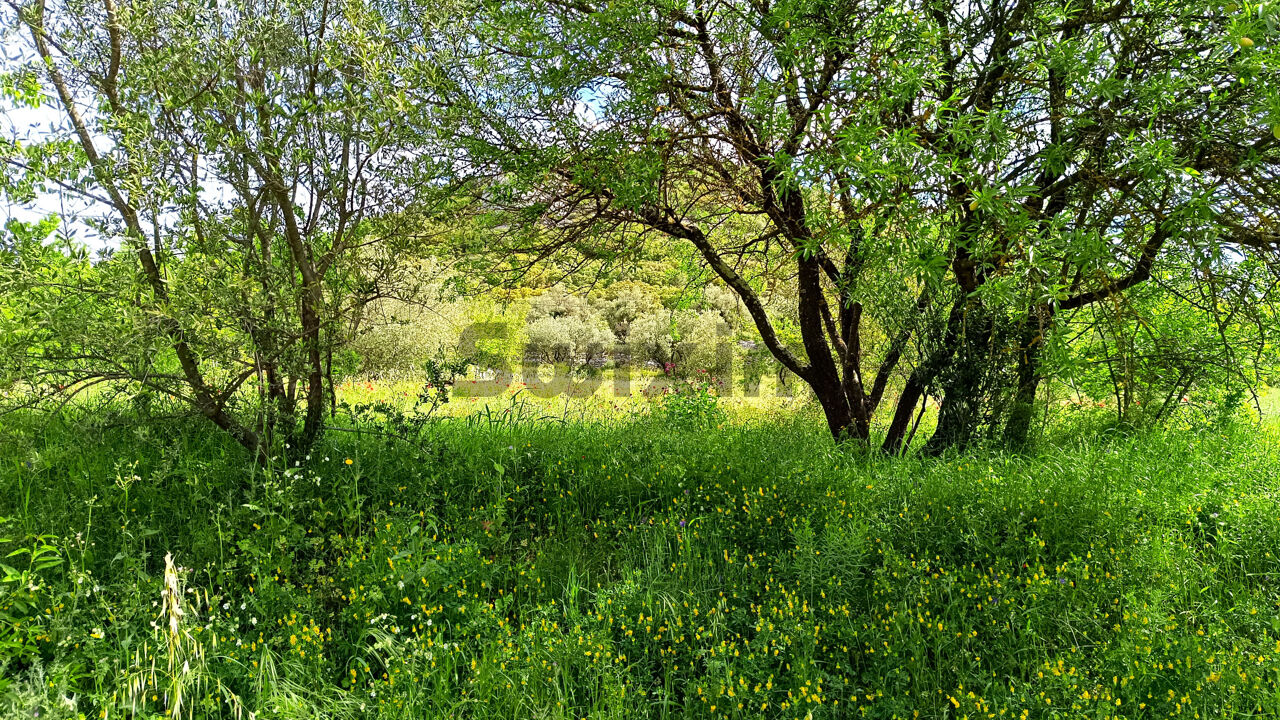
<point x="562" y="393"/>
<point x="648" y="567"/>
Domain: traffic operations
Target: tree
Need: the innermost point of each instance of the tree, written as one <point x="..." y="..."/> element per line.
<point x="247" y="165"/>
<point x="564" y="327"/>
<point x="624" y="308"/>
<point x="706" y="127"/>
<point x="955" y="175"/>
<point x="1202" y="339"/>
<point x="1069" y="154"/>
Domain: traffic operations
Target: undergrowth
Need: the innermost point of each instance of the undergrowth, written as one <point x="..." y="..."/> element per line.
<point x="647" y="568"/>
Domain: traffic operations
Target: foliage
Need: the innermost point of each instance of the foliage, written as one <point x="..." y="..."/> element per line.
<point x="933" y="185"/>
<point x="911" y="203"/>
<point x="564" y="327"/>
<point x="1152" y="355"/>
<point x="691" y="403"/>
<point x="941" y="218"/>
<point x="238" y="163"/>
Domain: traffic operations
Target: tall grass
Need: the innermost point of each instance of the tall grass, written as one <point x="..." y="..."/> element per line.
<point x="516" y="567"/>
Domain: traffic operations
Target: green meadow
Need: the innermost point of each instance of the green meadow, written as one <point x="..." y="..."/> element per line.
<point x="508" y="565"/>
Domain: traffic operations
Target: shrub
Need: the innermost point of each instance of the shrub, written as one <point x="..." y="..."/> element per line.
<point x="692" y="403"/>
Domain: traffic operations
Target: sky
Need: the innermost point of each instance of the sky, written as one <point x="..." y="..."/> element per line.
<point x="33" y="125"/>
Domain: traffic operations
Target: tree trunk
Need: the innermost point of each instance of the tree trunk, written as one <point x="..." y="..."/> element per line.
<point x="965" y="384"/>
<point x="921" y="378"/>
<point x="840" y="420"/>
<point x="955" y="415"/>
<point x="1018" y="427"/>
<point x="907" y="401"/>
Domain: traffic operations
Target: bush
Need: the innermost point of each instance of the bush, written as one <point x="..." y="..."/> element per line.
<point x="692" y="403"/>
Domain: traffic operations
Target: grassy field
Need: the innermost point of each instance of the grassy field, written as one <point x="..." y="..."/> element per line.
<point x="701" y="563"/>
<point x="557" y="393"/>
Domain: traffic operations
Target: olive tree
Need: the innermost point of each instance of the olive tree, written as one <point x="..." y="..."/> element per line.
<point x="254" y="180"/>
<point x="564" y="327"/>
